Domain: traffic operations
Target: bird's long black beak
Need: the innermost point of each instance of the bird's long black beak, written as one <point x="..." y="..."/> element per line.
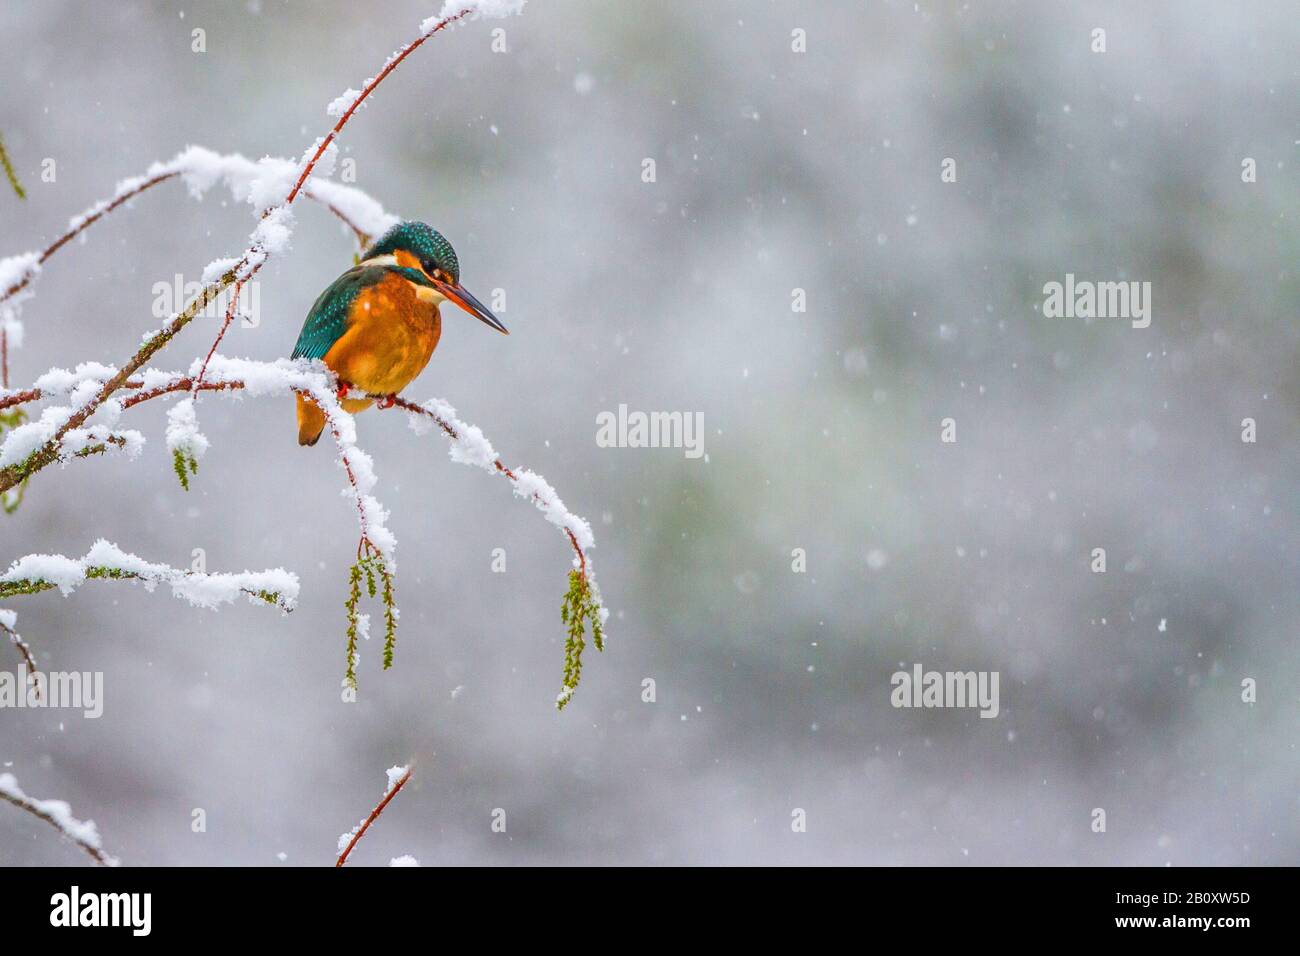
<point x="462" y="297"/>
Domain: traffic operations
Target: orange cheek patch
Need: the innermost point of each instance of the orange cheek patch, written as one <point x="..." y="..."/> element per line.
<point x="407" y="260"/>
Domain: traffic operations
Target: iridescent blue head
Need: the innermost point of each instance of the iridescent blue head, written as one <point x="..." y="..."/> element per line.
<point x="426" y="257"/>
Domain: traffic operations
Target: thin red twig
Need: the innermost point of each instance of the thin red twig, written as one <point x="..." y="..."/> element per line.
<point x="58" y="244"/>
<point x="352" y="480"/>
<point x="81" y="226"/>
<point x="20" y="398"/>
<point x="221" y="334"/>
<point x="409" y="406"/>
<point x="374" y="815"/>
<point x="180" y="385"/>
<point x="65" y="238"/>
<point x="26" y="652"/>
<point x="365" y="92"/>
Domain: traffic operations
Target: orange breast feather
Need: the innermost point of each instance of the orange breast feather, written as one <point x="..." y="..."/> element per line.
<point x="391" y="335"/>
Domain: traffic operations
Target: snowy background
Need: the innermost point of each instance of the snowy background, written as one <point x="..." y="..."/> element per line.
<point x="775" y="170"/>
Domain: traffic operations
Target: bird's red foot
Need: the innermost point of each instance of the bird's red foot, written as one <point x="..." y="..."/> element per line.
<point x="386" y="402"/>
<point x="343" y="390"/>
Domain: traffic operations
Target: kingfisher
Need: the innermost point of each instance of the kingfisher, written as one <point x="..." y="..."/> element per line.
<point x="378" y="323"/>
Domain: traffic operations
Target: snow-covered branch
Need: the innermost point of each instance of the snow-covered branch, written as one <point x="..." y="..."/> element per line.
<point x="34" y="573"/>
<point x="200" y="169"/>
<point x="58" y="815"/>
<point x="284" y="378"/>
<point x="582" y="606"/>
<point x="280" y="379"/>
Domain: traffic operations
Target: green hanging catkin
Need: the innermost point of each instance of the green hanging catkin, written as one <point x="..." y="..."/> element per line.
<point x="184" y="465"/>
<point x="579" y="608"/>
<point x="354" y="598"/>
<point x="378" y="583"/>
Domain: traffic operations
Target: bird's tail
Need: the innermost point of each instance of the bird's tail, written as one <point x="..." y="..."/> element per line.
<point x="311" y="421"/>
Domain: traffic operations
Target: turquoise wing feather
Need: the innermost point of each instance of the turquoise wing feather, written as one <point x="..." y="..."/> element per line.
<point x="328" y="318"/>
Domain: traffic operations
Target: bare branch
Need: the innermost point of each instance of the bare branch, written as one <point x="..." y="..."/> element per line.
<point x="24" y="651"/>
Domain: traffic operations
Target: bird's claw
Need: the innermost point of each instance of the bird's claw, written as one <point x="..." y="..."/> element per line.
<point x="386" y="402"/>
<point x="342" y="391"/>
